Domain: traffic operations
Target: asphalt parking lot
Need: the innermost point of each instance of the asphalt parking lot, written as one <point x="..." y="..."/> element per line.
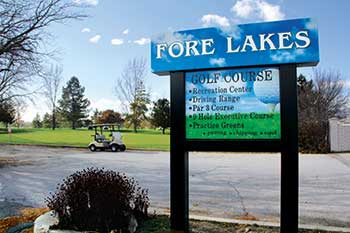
<point x="221" y="184"/>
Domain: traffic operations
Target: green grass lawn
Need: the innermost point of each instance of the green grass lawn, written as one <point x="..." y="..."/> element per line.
<point x="144" y="139"/>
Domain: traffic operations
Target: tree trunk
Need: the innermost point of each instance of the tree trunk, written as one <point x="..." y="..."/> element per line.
<point x="73" y="124"/>
<point x="163" y="129"/>
<point x="53" y="123"/>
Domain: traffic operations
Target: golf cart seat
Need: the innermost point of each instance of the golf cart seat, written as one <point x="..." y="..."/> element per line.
<point x="100" y="138"/>
<point x="116" y="136"/>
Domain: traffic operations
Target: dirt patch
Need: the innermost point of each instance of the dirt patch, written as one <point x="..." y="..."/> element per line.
<point x="27" y="215"/>
<point x="248" y="218"/>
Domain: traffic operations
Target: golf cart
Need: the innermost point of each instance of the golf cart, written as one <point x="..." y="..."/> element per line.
<point x="101" y="142"/>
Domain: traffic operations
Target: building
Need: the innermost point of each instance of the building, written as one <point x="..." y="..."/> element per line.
<point x="339" y="135"/>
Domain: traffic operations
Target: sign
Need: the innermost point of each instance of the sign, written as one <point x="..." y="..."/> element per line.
<point x="269" y="43"/>
<point x="235" y="89"/>
<point x="233" y="104"/>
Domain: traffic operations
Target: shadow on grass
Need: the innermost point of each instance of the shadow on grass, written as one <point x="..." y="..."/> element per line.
<point x="18" y="130"/>
<point x="139" y="131"/>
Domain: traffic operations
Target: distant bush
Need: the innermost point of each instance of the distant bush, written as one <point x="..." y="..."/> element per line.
<point x="98" y="200"/>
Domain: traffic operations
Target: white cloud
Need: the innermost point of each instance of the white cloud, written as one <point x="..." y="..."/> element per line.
<point x="95" y="39"/>
<point x="86" y="2"/>
<point x="257" y="9"/>
<point x="217" y="61"/>
<point x="243" y="8"/>
<point x="126" y="31"/>
<point x="142" y="41"/>
<point x="211" y="20"/>
<point x="117" y="41"/>
<point x="86" y="30"/>
<point x="269" y="12"/>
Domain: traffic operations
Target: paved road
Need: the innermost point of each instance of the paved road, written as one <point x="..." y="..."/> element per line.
<point x="221" y="184"/>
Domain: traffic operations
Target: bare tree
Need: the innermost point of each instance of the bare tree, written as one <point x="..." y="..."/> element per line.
<point x="131" y="80"/>
<point x="131" y="90"/>
<point x="20" y="106"/>
<point x="15" y="76"/>
<point x="51" y="84"/>
<point x="331" y="94"/>
<point x="320" y="99"/>
<point x="23" y="34"/>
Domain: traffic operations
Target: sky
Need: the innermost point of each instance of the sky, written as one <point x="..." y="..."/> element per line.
<point x="97" y="49"/>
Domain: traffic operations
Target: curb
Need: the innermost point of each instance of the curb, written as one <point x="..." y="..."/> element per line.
<point x="76" y="147"/>
<point x="251" y="222"/>
<point x="269" y="224"/>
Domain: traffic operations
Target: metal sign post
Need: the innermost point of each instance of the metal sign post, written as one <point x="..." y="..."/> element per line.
<point x="178" y="156"/>
<point x="289" y="150"/>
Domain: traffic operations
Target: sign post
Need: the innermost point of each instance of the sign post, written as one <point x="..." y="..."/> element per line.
<point x="178" y="156"/>
<point x="235" y="90"/>
<point x="289" y="150"/>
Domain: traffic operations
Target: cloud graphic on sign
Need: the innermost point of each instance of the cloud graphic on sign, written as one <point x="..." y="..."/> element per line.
<point x="287" y="56"/>
<point x="231" y="31"/>
<point x="311" y="25"/>
<point x="217" y="61"/>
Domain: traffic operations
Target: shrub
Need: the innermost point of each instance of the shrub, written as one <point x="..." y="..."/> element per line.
<point x="98" y="199"/>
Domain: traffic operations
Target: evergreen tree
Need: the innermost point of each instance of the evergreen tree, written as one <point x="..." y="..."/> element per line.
<point x="96" y="116"/>
<point x="73" y="104"/>
<point x="37" y="123"/>
<point x="7" y="112"/>
<point x="47" y="121"/>
<point x="161" y="114"/>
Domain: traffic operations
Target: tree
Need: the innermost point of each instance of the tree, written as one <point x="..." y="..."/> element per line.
<point x="132" y="91"/>
<point x="37" y="123"/>
<point x="23" y="35"/>
<point x="7" y="112"/>
<point x="51" y="84"/>
<point x="20" y="106"/>
<point x="160" y="116"/>
<point x="319" y="99"/>
<point x="96" y="116"/>
<point x="110" y="116"/>
<point x="47" y="120"/>
<point x="73" y="105"/>
<point x="138" y="108"/>
<point x="131" y="80"/>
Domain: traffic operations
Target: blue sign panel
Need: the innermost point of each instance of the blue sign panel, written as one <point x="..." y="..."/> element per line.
<point x="269" y="43"/>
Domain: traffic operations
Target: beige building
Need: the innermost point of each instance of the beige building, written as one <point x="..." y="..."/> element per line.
<point x="339" y="135"/>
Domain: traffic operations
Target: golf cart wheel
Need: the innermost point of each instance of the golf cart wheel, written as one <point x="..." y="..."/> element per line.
<point x="114" y="148"/>
<point x="122" y="147"/>
<point x="92" y="148"/>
